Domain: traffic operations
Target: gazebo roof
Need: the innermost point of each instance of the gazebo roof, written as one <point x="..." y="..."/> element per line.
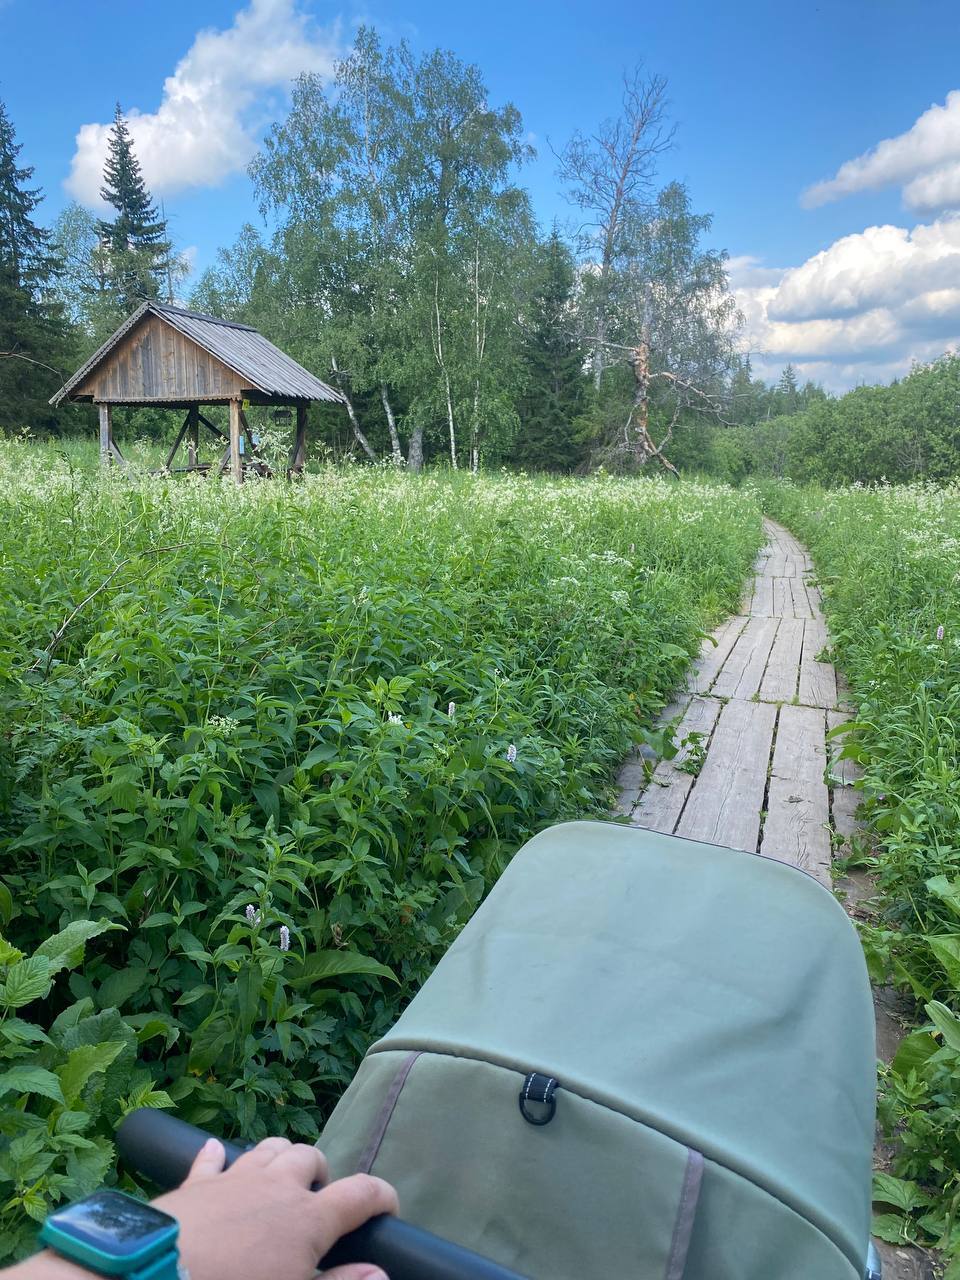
<point x="243" y="360"/>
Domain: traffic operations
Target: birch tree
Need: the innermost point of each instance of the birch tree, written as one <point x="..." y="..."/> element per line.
<point x="610" y="177"/>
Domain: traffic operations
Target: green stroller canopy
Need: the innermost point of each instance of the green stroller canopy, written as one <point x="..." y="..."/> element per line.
<point x="696" y="1026"/>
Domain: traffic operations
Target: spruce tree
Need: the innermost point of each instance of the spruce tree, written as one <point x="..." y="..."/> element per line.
<point x="555" y="385"/>
<point x="136" y="239"/>
<point x="35" y="346"/>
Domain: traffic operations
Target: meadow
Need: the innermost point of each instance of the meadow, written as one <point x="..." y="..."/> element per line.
<point x="264" y="750"/>
<point x="888" y="560"/>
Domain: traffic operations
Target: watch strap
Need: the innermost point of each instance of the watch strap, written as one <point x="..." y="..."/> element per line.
<point x="166" y="1267"/>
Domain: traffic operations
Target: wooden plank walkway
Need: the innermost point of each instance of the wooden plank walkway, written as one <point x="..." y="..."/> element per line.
<point x="756" y="768"/>
<point x="752" y="767"/>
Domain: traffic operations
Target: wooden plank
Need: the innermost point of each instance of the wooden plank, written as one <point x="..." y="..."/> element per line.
<point x="724" y="805"/>
<point x="782" y="675"/>
<point x="845" y="772"/>
<point x="193" y="444"/>
<point x="743" y="670"/>
<point x="236" y="459"/>
<point x="844" y="803"/>
<point x="298" y="454"/>
<point x="782" y="598"/>
<point x="762" y="597"/>
<point x="216" y="430"/>
<point x="634" y="771"/>
<point x="714" y="655"/>
<point x="794" y="565"/>
<point x="177" y="443"/>
<point x="662" y="802"/>
<point x="801" y="605"/>
<point x="818" y="681"/>
<point x="105" y="433"/>
<point x="156" y="361"/>
<point x="798" y="806"/>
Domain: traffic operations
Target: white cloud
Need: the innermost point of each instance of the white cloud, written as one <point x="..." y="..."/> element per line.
<point x="861" y="310"/>
<point x="925" y="161"/>
<point x="205" y="127"/>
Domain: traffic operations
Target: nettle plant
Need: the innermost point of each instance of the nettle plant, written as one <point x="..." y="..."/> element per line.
<point x="299" y="731"/>
<point x="63" y="1086"/>
<point x="889" y="558"/>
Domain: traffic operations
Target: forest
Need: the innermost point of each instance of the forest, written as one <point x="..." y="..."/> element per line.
<point x="398" y="256"/>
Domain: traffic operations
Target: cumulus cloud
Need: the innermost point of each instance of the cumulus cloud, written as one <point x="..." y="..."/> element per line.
<point x="205" y="127"/>
<point x="925" y="161"/>
<point x="863" y="309"/>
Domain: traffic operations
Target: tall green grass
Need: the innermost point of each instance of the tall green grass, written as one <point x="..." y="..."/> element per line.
<point x="286" y="739"/>
<point x="889" y="561"/>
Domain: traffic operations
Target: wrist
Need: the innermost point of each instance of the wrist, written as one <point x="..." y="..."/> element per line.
<point x="47" y="1265"/>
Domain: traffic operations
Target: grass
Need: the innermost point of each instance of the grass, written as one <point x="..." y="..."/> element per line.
<point x="889" y="561"/>
<point x="287" y="738"/>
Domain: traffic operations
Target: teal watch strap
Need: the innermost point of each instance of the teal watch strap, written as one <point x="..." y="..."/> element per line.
<point x="166" y="1267"/>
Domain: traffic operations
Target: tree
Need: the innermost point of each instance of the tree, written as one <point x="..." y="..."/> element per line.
<point x="400" y="235"/>
<point x="787" y="395"/>
<point x="610" y="177"/>
<point x="84" y="285"/>
<point x="34" y="337"/>
<point x="553" y="360"/>
<point x="671" y="316"/>
<point x="136" y="239"/>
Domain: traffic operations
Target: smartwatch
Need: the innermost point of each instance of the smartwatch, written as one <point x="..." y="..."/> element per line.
<point x="116" y="1235"/>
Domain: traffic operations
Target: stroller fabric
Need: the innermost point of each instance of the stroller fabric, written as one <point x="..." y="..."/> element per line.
<point x="701" y="1023"/>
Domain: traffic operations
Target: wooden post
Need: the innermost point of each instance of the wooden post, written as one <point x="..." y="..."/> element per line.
<point x="298" y="455"/>
<point x="177" y="443"/>
<point x="106" y="435"/>
<point x="193" y="443"/>
<point x="236" y="459"/>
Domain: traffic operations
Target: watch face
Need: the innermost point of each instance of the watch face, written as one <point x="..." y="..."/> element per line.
<point x="115" y="1223"/>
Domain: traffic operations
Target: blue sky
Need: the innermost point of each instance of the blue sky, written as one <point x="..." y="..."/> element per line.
<point x="769" y="99"/>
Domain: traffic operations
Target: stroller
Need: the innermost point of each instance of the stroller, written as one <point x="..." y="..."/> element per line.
<point x="643" y="1056"/>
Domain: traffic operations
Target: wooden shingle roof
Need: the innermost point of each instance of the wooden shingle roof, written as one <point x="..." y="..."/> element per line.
<point x="257" y="365"/>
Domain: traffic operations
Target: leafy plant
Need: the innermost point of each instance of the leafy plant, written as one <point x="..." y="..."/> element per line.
<point x="297" y="731"/>
<point x="63" y="1085"/>
<point x="889" y="559"/>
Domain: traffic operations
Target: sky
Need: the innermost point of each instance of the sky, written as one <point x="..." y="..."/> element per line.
<point x="824" y="138"/>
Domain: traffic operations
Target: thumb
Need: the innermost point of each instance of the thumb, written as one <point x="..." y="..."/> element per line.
<point x="208" y="1161"/>
<point x="355" y="1271"/>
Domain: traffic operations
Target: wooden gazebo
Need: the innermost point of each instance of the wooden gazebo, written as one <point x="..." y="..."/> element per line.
<point x="168" y="358"/>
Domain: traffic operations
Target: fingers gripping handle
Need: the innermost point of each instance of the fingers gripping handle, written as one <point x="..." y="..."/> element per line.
<point x="163" y="1148"/>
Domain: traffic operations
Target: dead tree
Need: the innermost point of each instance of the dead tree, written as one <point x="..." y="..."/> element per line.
<point x="636" y="444"/>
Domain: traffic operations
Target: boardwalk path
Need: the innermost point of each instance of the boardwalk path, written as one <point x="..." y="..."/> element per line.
<point x="754" y="719"/>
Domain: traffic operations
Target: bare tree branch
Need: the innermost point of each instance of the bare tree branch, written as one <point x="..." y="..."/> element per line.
<point x="16" y="355"/>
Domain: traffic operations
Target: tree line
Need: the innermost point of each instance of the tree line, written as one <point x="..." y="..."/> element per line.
<point x="399" y="258"/>
<point x="903" y="432"/>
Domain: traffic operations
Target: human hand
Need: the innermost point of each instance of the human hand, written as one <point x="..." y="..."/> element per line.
<point x="259" y="1219"/>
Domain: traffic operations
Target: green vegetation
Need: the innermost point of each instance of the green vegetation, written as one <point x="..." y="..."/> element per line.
<point x="888" y="559"/>
<point x="400" y="259"/>
<point x="279" y="751"/>
<point x="907" y="431"/>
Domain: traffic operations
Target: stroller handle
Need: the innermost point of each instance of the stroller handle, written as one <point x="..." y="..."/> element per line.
<point x="163" y="1148"/>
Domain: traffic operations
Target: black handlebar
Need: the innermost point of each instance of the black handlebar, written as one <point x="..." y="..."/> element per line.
<point x="163" y="1148"/>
